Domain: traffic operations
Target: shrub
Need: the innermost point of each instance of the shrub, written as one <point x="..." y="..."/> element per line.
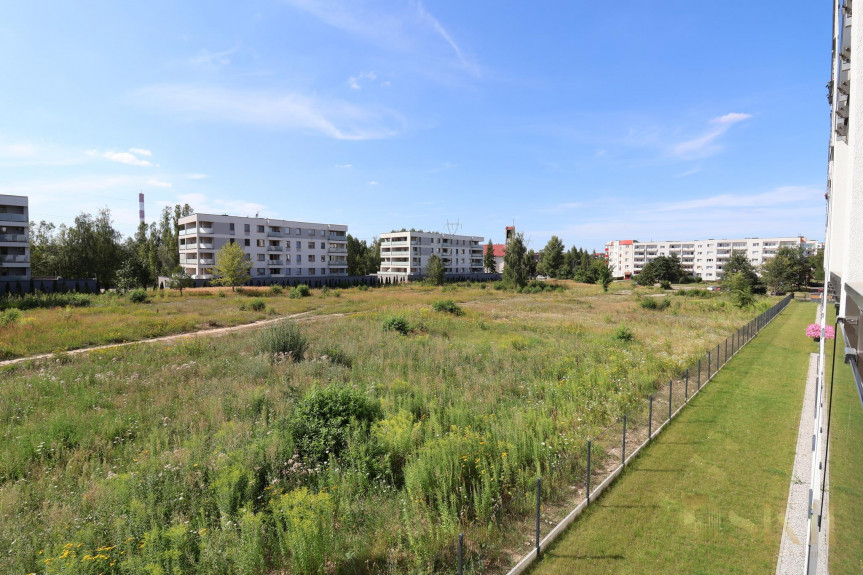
<point x="396" y="323"/>
<point x="9" y="317"/>
<point x="283" y="341"/>
<point x="623" y="333"/>
<point x="321" y="422"/>
<point x="363" y="287"/>
<point x="665" y="284"/>
<point x="336" y="355"/>
<point x="138" y="296"/>
<point x="222" y="294"/>
<point x="44" y="300"/>
<point x="448" y="306"/>
<point x="655" y="303"/>
<point x="257" y="304"/>
<point x="301" y="290"/>
<point x="243" y="306"/>
<point x="276" y="289"/>
<point x="325" y="290"/>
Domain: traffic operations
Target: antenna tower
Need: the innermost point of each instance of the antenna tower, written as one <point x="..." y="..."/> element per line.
<point x="453" y="227"/>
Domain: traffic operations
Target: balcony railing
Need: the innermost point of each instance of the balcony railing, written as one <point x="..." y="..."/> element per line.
<point x="274" y="234"/>
<point x="14" y="259"/>
<point x="335" y="250"/>
<point x="11" y="278"/>
<point x="205" y="230"/>
<point x="205" y="246"/>
<point x="274" y="248"/>
<point x="7" y="217"/>
<point x="13" y="237"/>
<point x="338" y="237"/>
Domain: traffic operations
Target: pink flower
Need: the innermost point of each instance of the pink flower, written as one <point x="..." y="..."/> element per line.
<point x="814" y="330"/>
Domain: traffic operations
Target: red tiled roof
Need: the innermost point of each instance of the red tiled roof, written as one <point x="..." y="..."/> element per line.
<point x="626" y="242"/>
<point x="499" y="250"/>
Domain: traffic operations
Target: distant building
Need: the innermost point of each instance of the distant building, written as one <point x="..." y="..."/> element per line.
<point x="404" y="255"/>
<point x="701" y="258"/>
<point x="277" y="249"/>
<point x="500" y="249"/>
<point x="14" y="238"/>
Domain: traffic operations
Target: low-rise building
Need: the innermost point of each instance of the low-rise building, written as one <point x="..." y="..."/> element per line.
<point x="14" y="238"/>
<point x="277" y="249"/>
<point x="701" y="258"/>
<point x="404" y="255"/>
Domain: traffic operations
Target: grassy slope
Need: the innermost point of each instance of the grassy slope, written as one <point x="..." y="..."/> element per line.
<point x="846" y="471"/>
<point x="709" y="495"/>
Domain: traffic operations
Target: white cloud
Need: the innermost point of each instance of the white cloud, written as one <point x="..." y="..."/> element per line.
<point x="344" y="166"/>
<point x="373" y="183"/>
<point x="196" y="176"/>
<point x="213" y="60"/>
<point x="776" y="197"/>
<point x="141" y="152"/>
<point x="204" y="204"/>
<point x="159" y="184"/>
<point x="18" y="150"/>
<point x="123" y="158"/>
<point x="336" y="119"/>
<point x="706" y="144"/>
<point x="354" y="81"/>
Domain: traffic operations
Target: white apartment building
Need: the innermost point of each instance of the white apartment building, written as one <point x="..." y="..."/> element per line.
<point x="404" y="255"/>
<point x="277" y="249"/>
<point x="702" y="258"/>
<point x="14" y="238"/>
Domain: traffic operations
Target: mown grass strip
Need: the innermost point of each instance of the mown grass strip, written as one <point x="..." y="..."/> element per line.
<point x="846" y="468"/>
<point x="709" y="495"/>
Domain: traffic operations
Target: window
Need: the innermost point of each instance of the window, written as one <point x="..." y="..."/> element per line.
<point x="287" y="271"/>
<point x="323" y="271"/>
<point x="311" y="258"/>
<point x="311" y="271"/>
<point x="262" y="271"/>
<point x="247" y="242"/>
<point x="299" y="246"/>
<point x="247" y="257"/>
<point x="323" y="258"/>
<point x="310" y="232"/>
<point x="288" y="245"/>
<point x="298" y="231"/>
<point x="311" y="245"/>
<point x="323" y="245"/>
<point x="322" y="233"/>
<point x="246" y="228"/>
<point x="231" y="227"/>
<point x="231" y="241"/>
<point x="259" y="243"/>
<point x="260" y="229"/>
<point x="260" y="257"/>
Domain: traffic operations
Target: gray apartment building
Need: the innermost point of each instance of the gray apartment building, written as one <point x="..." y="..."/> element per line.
<point x="277" y="249"/>
<point x="14" y="238"/>
<point x="404" y="255"/>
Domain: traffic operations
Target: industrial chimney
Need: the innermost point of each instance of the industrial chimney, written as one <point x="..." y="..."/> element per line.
<point x="141" y="206"/>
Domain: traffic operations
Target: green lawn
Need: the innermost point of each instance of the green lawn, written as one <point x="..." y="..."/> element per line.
<point x="846" y="470"/>
<point x="709" y="495"/>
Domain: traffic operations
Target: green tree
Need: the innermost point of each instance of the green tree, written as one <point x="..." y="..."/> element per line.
<point x="434" y="271"/>
<point x="604" y="272"/>
<point x="571" y="261"/>
<point x="740" y="288"/>
<point x="133" y="274"/>
<point x="515" y="262"/>
<point x="180" y="280"/>
<point x="739" y="264"/>
<point x="373" y="256"/>
<point x="489" y="263"/>
<point x="816" y="263"/>
<point x="232" y="267"/>
<point x="356" y="256"/>
<point x="778" y="272"/>
<point x="552" y="257"/>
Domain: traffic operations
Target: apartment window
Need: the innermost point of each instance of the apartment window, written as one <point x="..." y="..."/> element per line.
<point x="299" y="271"/>
<point x="311" y="271"/>
<point x="247" y="242"/>
<point x="310" y="232"/>
<point x="287" y="271"/>
<point x="260" y="257"/>
<point x="299" y="246"/>
<point x="323" y="271"/>
<point x="262" y="271"/>
<point x="231" y="227"/>
<point x="288" y="258"/>
<point x="322" y="233"/>
<point x="323" y="245"/>
<point x="288" y="245"/>
<point x="260" y="229"/>
<point x="311" y="258"/>
<point x="231" y="241"/>
<point x="311" y="245"/>
<point x="260" y="243"/>
<point x="247" y="228"/>
<point x="247" y="257"/>
<point x="323" y="258"/>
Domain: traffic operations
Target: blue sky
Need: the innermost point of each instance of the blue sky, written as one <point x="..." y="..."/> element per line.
<point x="593" y="121"/>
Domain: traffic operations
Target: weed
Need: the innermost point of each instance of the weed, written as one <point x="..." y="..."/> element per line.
<point x="623" y="333"/>
<point x="396" y="323"/>
<point x="284" y="340"/>
<point x="276" y="289"/>
<point x="447" y="306"/>
<point x="300" y="291"/>
<point x="138" y="296"/>
<point x="337" y="355"/>
<point x="655" y="303"/>
<point x="9" y="317"/>
<point x="257" y="304"/>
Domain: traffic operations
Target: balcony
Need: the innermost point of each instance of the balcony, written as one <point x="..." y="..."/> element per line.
<point x="203" y="230"/>
<point x="274" y="248"/>
<point x="276" y="262"/>
<point x="397" y="244"/>
<point x="205" y="246"/>
<point x="337" y="237"/>
<point x="7" y="217"/>
<point x="337" y="250"/>
<point x="275" y="234"/>
<point x="14" y="259"/>
<point x="13" y="237"/>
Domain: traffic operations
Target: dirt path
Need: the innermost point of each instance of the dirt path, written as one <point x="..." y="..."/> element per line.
<point x="204" y="332"/>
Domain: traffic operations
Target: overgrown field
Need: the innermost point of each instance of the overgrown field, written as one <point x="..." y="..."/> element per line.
<point x="367" y="451"/>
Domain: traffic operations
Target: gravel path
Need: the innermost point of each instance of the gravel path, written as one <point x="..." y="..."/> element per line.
<point x="203" y="332"/>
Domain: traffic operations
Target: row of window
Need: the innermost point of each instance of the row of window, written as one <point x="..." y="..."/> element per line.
<point x="290" y="271"/>
<point x="247" y="228"/>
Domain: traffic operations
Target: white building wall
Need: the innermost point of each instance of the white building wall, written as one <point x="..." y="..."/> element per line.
<point x="405" y="254"/>
<point x="277" y="249"/>
<point x="14" y="238"/>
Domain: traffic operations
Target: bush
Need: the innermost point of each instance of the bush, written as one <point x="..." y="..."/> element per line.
<point x="321" y="422"/>
<point x="257" y="304"/>
<point x="222" y="294"/>
<point x="665" y="284"/>
<point x="9" y="317"/>
<point x="301" y="290"/>
<point x="276" y="289"/>
<point x="655" y="303"/>
<point x="623" y="333"/>
<point x="44" y="300"/>
<point x="396" y="323"/>
<point x="363" y="287"/>
<point x="448" y="306"/>
<point x="138" y="296"/>
<point x="283" y="341"/>
<point x="304" y="523"/>
<point x="336" y="355"/>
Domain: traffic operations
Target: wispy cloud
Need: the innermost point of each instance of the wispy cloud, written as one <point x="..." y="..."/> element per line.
<point x="159" y="184"/>
<point x="292" y="111"/>
<point x="344" y="166"/>
<point x="213" y="60"/>
<point x="121" y="157"/>
<point x="778" y="196"/>
<point x="354" y="81"/>
<point x="141" y="152"/>
<point x="706" y="144"/>
<point x="398" y="26"/>
<point x="689" y="172"/>
<point x="373" y="183"/>
<point x="196" y="176"/>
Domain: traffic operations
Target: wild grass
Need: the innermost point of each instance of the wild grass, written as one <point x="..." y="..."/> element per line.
<point x="192" y="455"/>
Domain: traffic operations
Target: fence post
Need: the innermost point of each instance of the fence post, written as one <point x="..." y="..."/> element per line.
<point x="623" y="450"/>
<point x="726" y="352"/>
<point x="686" y="387"/>
<point x="708" y="366"/>
<point x="717" y="359"/>
<point x="670" y="388"/>
<point x="538" y="497"/>
<point x="588" y="472"/>
<point x="460" y="553"/>
<point x="699" y="374"/>
<point x="650" y="420"/>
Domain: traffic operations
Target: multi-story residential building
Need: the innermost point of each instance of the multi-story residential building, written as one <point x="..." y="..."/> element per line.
<point x="14" y="240"/>
<point x="702" y="258"/>
<point x="277" y="249"/>
<point x="404" y="255"/>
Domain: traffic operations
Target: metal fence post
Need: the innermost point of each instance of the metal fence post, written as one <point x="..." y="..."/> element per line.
<point x="670" y="388"/>
<point x="708" y="366"/>
<point x="588" y="472"/>
<point x="538" y="497"/>
<point x="699" y="374"/>
<point x="460" y="553"/>
<point x="650" y="419"/>
<point x="726" y="352"/>
<point x="686" y="387"/>
<point x="717" y="358"/>
<point x="623" y="449"/>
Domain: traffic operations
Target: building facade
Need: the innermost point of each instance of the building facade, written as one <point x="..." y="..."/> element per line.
<point x="702" y="258"/>
<point x="277" y="249"/>
<point x="404" y="255"/>
<point x="14" y="238"/>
